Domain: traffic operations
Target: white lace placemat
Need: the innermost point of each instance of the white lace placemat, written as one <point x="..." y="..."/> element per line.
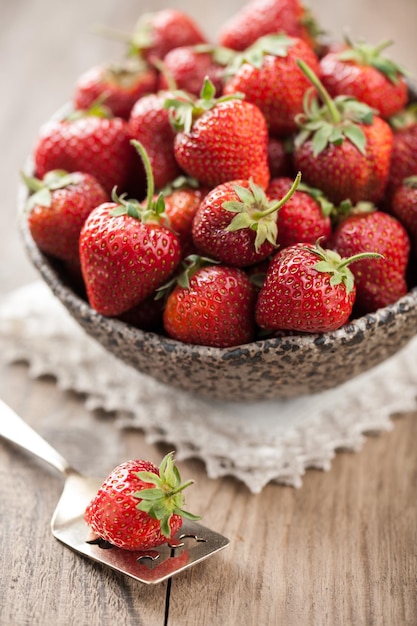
<point x="256" y="443"/>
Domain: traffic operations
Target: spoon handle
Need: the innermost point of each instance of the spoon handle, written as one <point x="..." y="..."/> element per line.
<point x="14" y="429"/>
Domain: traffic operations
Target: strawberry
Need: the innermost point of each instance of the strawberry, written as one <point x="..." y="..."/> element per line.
<point x="126" y="251"/>
<point x="404" y="207"/>
<point x="306" y="289"/>
<point x="264" y="17"/>
<point x="220" y="139"/>
<point x="212" y="305"/>
<point x="86" y="141"/>
<point x="268" y="75"/>
<point x="404" y="150"/>
<point x="237" y="223"/>
<point x="379" y="282"/>
<point x="182" y="200"/>
<point x="149" y="123"/>
<point x="147" y="315"/>
<point x="342" y="148"/>
<point x="58" y="208"/>
<point x="157" y="33"/>
<point x="188" y="66"/>
<point x="139" y="506"/>
<point x="118" y="86"/>
<point x="305" y="216"/>
<point x="362" y="71"/>
<point x="279" y="157"/>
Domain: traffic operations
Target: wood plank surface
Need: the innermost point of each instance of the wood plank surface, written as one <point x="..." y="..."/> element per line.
<point x="339" y="550"/>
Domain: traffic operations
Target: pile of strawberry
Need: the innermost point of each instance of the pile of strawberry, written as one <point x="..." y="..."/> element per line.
<point x="221" y="193"/>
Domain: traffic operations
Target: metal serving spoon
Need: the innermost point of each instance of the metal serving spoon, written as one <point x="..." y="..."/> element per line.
<point x="193" y="542"/>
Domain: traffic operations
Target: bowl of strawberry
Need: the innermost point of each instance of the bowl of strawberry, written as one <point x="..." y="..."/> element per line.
<point x="237" y="219"/>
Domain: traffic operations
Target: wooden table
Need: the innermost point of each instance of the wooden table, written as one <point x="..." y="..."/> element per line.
<point x="340" y="550"/>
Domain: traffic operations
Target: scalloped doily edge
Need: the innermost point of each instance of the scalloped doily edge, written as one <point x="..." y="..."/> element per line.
<point x="286" y="439"/>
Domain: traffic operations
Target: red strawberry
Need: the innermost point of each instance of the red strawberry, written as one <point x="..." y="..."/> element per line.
<point x="147" y="315"/>
<point x="237" y="223"/>
<point x="264" y="17"/>
<point x="182" y="200"/>
<point x="139" y="506"/>
<point x="363" y="72"/>
<point x="118" y="86"/>
<point x="343" y="148"/>
<point x="404" y="207"/>
<point x="58" y="209"/>
<point x="220" y="139"/>
<point x="305" y="216"/>
<point x="279" y="157"/>
<point x="268" y="74"/>
<point x="86" y="142"/>
<point x="404" y="150"/>
<point x="379" y="282"/>
<point x="188" y="66"/>
<point x="157" y="33"/>
<point x="306" y="289"/>
<point x="126" y="251"/>
<point x="214" y="307"/>
<point x="150" y="124"/>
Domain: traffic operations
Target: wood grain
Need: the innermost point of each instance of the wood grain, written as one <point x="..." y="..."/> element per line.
<point x="340" y="550"/>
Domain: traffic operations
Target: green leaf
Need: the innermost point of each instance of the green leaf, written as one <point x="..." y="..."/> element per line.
<point x="267" y="230"/>
<point x="187" y="515"/>
<point x="165" y="528"/>
<point x="244" y="194"/>
<point x="356" y="136"/>
<point x="208" y="90"/>
<point x="241" y="220"/>
<point x="233" y="205"/>
<point x="149" y="494"/>
<point x="43" y="197"/>
<point x="321" y="138"/>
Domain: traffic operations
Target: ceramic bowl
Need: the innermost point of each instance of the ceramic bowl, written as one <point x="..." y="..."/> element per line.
<point x="267" y="369"/>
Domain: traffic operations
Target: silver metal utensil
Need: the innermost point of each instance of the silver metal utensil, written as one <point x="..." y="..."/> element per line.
<point x="193" y="542"/>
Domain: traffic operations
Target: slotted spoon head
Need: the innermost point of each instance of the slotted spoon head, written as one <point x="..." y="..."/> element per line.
<point x="192" y="543"/>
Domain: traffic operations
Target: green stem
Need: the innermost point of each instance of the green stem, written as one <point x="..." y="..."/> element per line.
<point x="259" y="214"/>
<point x="162" y="68"/>
<point x="359" y="257"/>
<point x="180" y="488"/>
<point x="383" y="45"/>
<point x="324" y="95"/>
<point x="148" y="170"/>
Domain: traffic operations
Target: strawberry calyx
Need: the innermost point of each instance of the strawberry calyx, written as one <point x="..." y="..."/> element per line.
<point x="330" y="262"/>
<point x="410" y="181"/>
<point x="153" y="208"/>
<point x="188" y="267"/>
<point x="42" y="188"/>
<point x="273" y="45"/>
<point x="184" y="109"/>
<point x="96" y="109"/>
<point x="125" y="73"/>
<point x="346" y="209"/>
<point x="363" y="53"/>
<point x="254" y="210"/>
<point x="181" y="182"/>
<point x="405" y="118"/>
<point x="138" y="41"/>
<point x="166" y="497"/>
<point x="220" y="54"/>
<point x="326" y="206"/>
<point x="337" y="119"/>
<point x="142" y="35"/>
<point x="313" y="28"/>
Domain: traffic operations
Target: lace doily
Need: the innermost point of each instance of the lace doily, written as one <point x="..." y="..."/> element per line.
<point x="256" y="443"/>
